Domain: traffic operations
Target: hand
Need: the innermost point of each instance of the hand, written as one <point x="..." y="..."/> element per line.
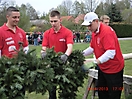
<point x="64" y="57"/>
<point x="43" y="54"/>
<point x="88" y="65"/>
<point x="82" y="53"/>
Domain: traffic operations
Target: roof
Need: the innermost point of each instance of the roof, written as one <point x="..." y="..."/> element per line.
<point x="67" y="18"/>
<point x="38" y="22"/>
<point x="79" y="18"/>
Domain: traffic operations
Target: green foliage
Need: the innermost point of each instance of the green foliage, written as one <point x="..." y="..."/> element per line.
<point x="68" y="76"/>
<point x="129" y="96"/>
<point x="114" y="14"/>
<point x="100" y="10"/>
<point x="127" y="15"/>
<point x="37" y="74"/>
<point x="122" y="30"/>
<point x="27" y="72"/>
<point x="128" y="92"/>
<point x="2" y="15"/>
<point x="72" y="77"/>
<point x="24" y="22"/>
<point x="11" y="82"/>
<point x="69" y="24"/>
<point x="23" y="73"/>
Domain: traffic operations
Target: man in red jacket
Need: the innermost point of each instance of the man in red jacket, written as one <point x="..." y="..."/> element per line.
<point x="105" y="46"/>
<point x="11" y="36"/>
<point x="58" y="37"/>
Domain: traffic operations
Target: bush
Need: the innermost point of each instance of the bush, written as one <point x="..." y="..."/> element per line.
<point x="122" y="30"/>
<point x="27" y="72"/>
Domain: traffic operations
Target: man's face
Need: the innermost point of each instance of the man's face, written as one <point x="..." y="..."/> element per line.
<point x="13" y="18"/>
<point x="93" y="26"/>
<point x="55" y="22"/>
<point x="106" y="21"/>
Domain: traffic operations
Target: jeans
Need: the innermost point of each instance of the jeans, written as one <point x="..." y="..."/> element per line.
<point x="35" y="41"/>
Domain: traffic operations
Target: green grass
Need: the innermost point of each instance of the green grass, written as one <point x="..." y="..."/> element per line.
<point x="125" y="47"/>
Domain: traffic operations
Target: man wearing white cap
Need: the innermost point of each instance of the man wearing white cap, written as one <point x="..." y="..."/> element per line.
<point x="105" y="46"/>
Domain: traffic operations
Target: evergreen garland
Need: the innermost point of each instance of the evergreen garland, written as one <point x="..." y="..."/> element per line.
<point x="27" y="72"/>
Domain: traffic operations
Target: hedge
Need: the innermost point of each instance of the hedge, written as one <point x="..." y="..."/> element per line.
<point x="122" y="30"/>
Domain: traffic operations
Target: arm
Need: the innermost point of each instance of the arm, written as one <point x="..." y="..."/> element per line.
<point x="25" y="42"/>
<point x="69" y="49"/>
<point x="44" y="45"/>
<point x="109" y="44"/>
<point x="109" y="54"/>
<point x="45" y="41"/>
<point x="88" y="51"/>
<point x="64" y="57"/>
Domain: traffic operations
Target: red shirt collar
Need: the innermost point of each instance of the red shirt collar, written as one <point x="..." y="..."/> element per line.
<point x="6" y="28"/>
<point x="53" y="31"/>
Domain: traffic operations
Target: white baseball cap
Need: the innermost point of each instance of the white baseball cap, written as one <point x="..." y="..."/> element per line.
<point x="89" y="17"/>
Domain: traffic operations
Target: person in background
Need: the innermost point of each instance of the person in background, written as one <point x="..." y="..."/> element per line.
<point x="58" y="37"/>
<point x="87" y="37"/>
<point x="104" y="44"/>
<point x="74" y="37"/>
<point x="35" y="38"/>
<point x="105" y="19"/>
<point x="78" y="37"/>
<point x="11" y="36"/>
<point x="30" y="39"/>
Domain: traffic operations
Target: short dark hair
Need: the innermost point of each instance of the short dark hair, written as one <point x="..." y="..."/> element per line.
<point x="55" y="13"/>
<point x="10" y="9"/>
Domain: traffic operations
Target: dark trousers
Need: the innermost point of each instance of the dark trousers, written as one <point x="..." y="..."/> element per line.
<point x="96" y="80"/>
<point x="110" y="85"/>
<point x="52" y="93"/>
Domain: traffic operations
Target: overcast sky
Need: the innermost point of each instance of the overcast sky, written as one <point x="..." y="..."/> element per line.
<point x="41" y="5"/>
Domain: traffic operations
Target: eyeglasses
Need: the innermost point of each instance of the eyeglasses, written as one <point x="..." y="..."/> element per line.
<point x="89" y="25"/>
<point x="54" y="21"/>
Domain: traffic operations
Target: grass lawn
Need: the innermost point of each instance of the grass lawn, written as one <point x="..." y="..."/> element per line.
<point x="125" y="47"/>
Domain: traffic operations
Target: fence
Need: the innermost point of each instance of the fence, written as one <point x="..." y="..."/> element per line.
<point x="93" y="74"/>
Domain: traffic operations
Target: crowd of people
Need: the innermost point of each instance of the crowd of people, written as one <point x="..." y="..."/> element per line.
<point x="77" y="37"/>
<point x="35" y="38"/>
<point x="104" y="44"/>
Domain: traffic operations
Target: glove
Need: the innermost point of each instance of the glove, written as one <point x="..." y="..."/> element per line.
<point x="43" y="55"/>
<point x="64" y="57"/>
<point x="88" y="65"/>
<point x="82" y="53"/>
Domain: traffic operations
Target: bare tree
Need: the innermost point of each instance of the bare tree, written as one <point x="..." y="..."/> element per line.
<point x="76" y="8"/>
<point x="68" y="5"/>
<point x="31" y="11"/>
<point x="91" y="5"/>
<point x="130" y="3"/>
<point x="65" y="7"/>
